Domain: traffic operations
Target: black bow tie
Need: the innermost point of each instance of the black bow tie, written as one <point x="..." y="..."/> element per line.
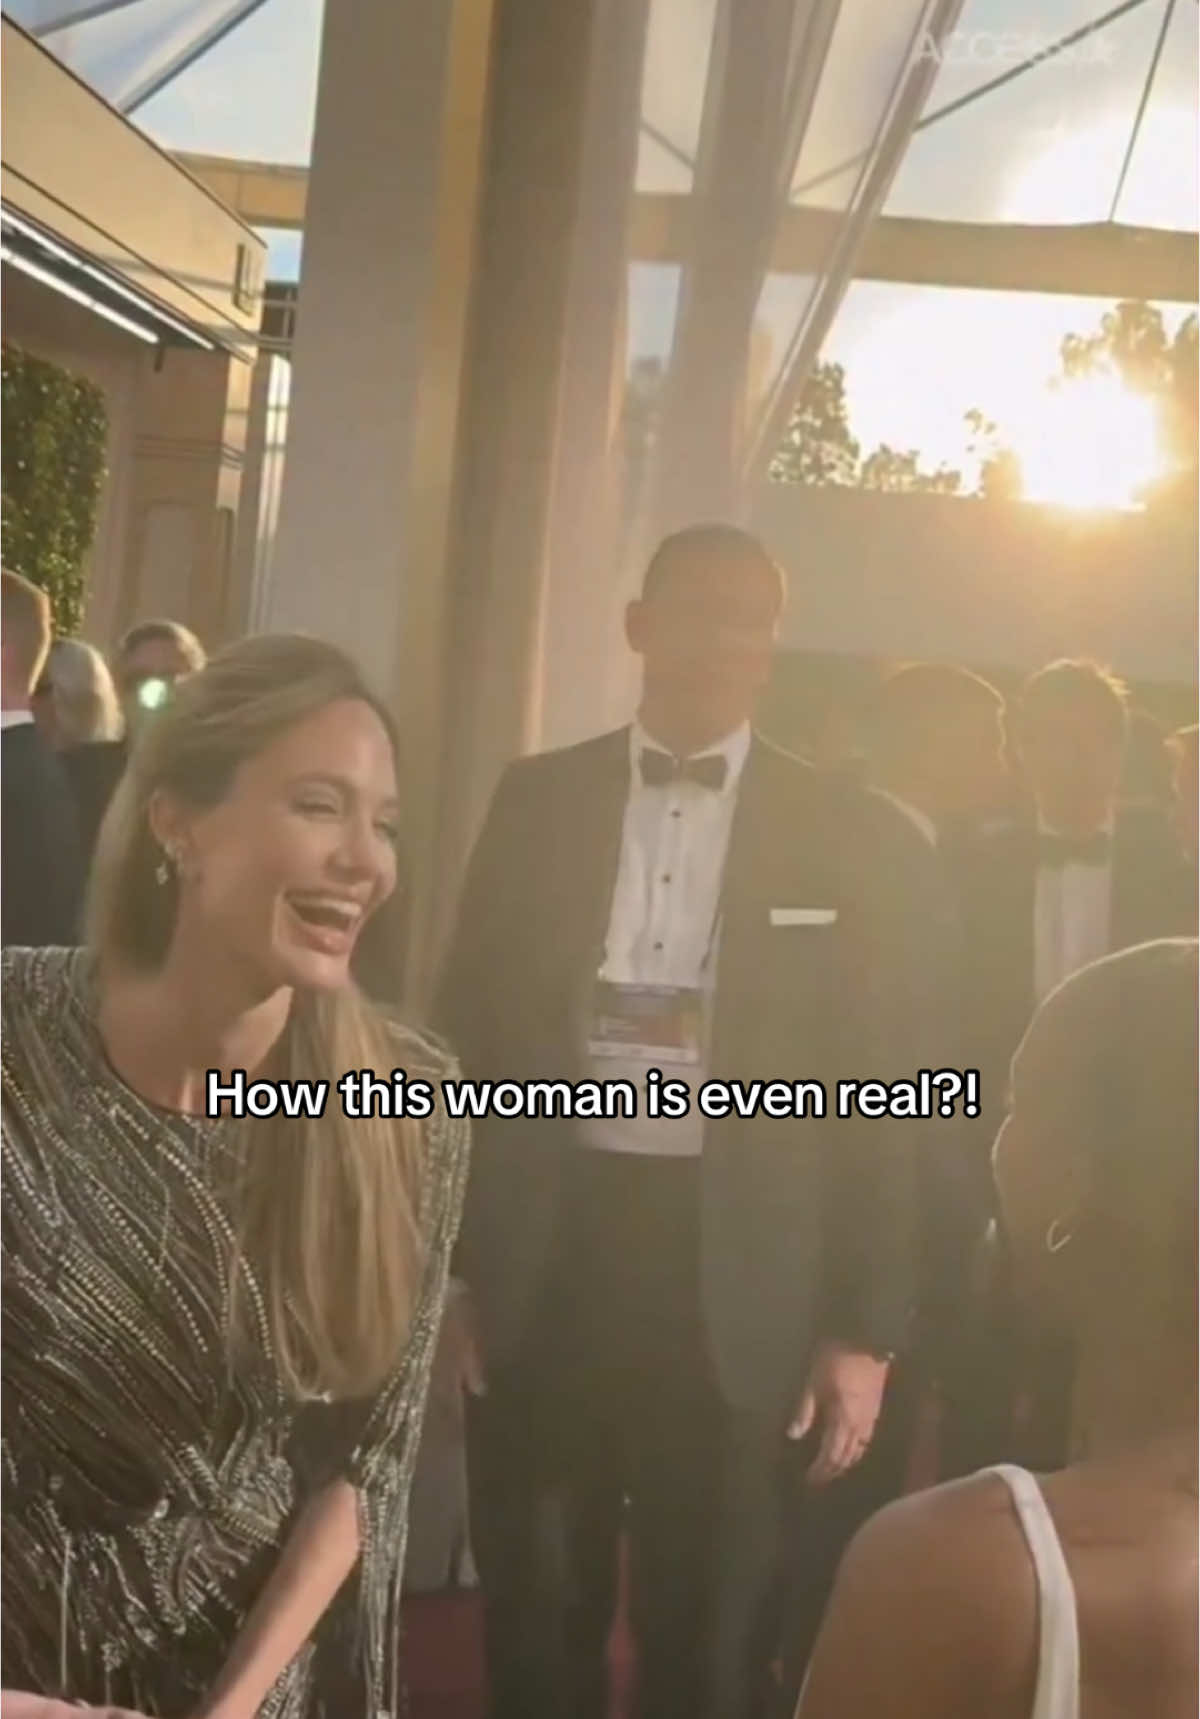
<point x="1055" y="850"/>
<point x="659" y="769"/>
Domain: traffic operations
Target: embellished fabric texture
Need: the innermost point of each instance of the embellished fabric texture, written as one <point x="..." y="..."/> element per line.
<point x="148" y="1487"/>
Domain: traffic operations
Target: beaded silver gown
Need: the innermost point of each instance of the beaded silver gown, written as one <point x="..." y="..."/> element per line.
<point x="147" y="1488"/>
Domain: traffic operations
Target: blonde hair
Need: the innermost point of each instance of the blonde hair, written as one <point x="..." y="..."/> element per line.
<point x="86" y="706"/>
<point x="326" y="1210"/>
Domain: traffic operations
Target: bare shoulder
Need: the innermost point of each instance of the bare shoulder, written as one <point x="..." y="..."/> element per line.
<point x="939" y="1586"/>
<point x="942" y="1536"/>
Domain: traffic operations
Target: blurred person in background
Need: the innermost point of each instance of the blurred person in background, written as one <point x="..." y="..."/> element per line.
<point x="147" y="663"/>
<point x="1079" y="879"/>
<point x="40" y="866"/>
<point x="83" y="716"/>
<point x="1072" y="1596"/>
<point x="934" y="741"/>
<point x="1146" y="772"/>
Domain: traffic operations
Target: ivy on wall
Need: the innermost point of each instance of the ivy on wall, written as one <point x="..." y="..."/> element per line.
<point x="51" y="470"/>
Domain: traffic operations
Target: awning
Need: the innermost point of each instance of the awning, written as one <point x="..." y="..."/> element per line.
<point x="75" y="275"/>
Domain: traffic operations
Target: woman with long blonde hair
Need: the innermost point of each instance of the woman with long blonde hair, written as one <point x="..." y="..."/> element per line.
<point x="217" y="1331"/>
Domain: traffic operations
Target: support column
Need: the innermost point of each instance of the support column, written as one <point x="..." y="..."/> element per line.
<point x="360" y="557"/>
<point x="545" y="52"/>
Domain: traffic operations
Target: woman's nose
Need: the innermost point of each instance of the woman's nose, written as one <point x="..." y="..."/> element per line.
<point x="358" y="850"/>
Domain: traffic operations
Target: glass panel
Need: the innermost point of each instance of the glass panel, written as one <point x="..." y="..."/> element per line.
<point x="781" y="307"/>
<point x="254" y="95"/>
<point x="678" y="46"/>
<point x="870" y="47"/>
<point x="1048" y="145"/>
<point x="650" y="312"/>
<point x="248" y="81"/>
<point x="125" y="50"/>
<point x="284" y="251"/>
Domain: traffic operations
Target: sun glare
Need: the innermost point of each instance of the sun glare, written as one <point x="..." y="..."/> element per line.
<point x="1088" y="443"/>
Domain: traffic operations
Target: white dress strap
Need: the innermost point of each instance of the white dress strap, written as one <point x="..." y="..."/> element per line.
<point x="1057" y="1692"/>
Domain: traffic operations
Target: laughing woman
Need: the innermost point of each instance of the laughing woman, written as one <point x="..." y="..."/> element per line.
<point x="217" y="1333"/>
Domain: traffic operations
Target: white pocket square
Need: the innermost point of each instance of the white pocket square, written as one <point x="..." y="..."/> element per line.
<point x="803" y="915"/>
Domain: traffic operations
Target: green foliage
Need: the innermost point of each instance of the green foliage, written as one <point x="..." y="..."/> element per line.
<point x="51" y="470"/>
<point x="1000" y="474"/>
<point x="1132" y="344"/>
<point x="899" y="470"/>
<point x="818" y="447"/>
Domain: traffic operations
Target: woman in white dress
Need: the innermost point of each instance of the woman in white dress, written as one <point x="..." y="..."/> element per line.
<point x="1075" y="1596"/>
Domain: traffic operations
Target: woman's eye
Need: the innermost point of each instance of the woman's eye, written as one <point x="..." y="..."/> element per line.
<point x="390" y="832"/>
<point x="317" y="808"/>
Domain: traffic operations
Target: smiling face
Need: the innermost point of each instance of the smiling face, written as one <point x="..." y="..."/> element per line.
<point x="285" y="870"/>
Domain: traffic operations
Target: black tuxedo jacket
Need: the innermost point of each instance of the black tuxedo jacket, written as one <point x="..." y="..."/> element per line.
<point x="40" y="878"/>
<point x="93" y="770"/>
<point x="1000" y="892"/>
<point x="806" y="1225"/>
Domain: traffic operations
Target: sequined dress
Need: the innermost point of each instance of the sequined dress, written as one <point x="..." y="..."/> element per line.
<point x="147" y="1488"/>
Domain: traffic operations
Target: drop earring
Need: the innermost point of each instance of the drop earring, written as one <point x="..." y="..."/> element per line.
<point x="162" y="871"/>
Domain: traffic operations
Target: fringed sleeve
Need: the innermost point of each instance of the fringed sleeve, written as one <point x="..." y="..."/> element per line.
<point x="375" y="1445"/>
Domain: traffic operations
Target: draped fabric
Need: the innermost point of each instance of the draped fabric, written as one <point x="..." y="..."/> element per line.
<point x="749" y="114"/>
<point x="149" y="1485"/>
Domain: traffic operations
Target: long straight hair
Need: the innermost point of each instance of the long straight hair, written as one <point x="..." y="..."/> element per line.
<point x="325" y="1212"/>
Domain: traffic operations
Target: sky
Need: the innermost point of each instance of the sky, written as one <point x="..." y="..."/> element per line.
<point x="1047" y="147"/>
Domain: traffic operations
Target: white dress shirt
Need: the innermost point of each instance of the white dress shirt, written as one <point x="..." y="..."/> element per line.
<point x="14" y="719"/>
<point x="1072" y="919"/>
<point x="663" y="923"/>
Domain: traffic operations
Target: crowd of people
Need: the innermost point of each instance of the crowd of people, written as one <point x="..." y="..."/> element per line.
<point x="711" y="1366"/>
<point x="68" y="719"/>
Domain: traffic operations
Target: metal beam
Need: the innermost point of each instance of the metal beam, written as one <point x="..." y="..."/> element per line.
<point x="1097" y="261"/>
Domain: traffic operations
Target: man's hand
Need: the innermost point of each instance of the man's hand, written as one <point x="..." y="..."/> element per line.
<point x="845" y="1388"/>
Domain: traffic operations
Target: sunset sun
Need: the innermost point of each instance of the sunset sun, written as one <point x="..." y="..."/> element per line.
<point x="1090" y="442"/>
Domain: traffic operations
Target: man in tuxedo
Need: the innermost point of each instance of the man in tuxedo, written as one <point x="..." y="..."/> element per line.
<point x="1077" y="881"/>
<point x="667" y="1306"/>
<point x="1080" y="879"/>
<point x="41" y="881"/>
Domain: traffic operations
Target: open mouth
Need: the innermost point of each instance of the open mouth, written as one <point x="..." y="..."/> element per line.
<point x="330" y="923"/>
